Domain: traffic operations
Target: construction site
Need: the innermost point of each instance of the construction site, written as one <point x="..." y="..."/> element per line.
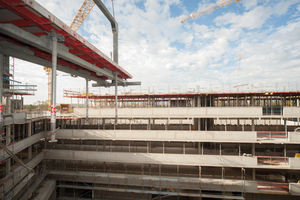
<point x="229" y="142"/>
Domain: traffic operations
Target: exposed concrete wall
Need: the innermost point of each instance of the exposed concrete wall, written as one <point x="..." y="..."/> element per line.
<point x="294" y="163"/>
<point x="294" y="137"/>
<point x="291" y="111"/>
<point x="207" y="112"/>
<point x="151" y="158"/>
<point x="173" y="136"/>
<point x="294" y="188"/>
<point x="18" y="118"/>
<point x="141" y="135"/>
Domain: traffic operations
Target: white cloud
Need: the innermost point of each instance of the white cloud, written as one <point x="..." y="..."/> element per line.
<point x="158" y="50"/>
<point x="249" y="4"/>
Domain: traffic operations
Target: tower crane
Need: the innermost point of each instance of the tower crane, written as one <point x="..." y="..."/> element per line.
<point x="81" y="15"/>
<point x="208" y="9"/>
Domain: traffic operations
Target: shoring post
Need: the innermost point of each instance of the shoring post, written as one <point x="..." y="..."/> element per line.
<point x="53" y="88"/>
<point x="116" y="98"/>
<point x="87" y="98"/>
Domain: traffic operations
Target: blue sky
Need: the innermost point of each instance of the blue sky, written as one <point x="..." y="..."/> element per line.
<point x="160" y="51"/>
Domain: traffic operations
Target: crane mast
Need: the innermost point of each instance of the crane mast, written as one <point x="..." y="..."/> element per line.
<point x="208" y="9"/>
<point x="82" y="13"/>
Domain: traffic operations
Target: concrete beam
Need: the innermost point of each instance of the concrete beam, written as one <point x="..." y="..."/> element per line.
<point x="173" y="182"/>
<point x="155" y="158"/>
<point x="27" y="55"/>
<point x="157" y="192"/>
<point x="124" y="84"/>
<point x="45" y="44"/>
<point x="23" y="144"/>
<point x="174" y="136"/>
<point x="114" y="26"/>
<point x="189" y="112"/>
<point x="177" y="112"/>
<point x="150" y="135"/>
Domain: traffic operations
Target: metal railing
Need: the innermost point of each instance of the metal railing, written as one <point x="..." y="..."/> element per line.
<point x="272" y="160"/>
<point x="205" y="88"/>
<point x="269" y="135"/>
<point x="273" y="186"/>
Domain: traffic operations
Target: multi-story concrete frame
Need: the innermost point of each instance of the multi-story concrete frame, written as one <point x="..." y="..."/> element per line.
<point x="224" y="146"/>
<point x="244" y="152"/>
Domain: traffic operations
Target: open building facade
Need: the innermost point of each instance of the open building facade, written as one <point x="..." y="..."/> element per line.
<point x="161" y="146"/>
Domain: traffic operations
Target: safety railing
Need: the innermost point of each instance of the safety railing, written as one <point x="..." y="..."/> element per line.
<point x="26" y="89"/>
<point x="272" y="110"/>
<point x="272" y="160"/>
<point x="273" y="186"/>
<point x="37" y="114"/>
<point x="269" y="135"/>
<point x="190" y="89"/>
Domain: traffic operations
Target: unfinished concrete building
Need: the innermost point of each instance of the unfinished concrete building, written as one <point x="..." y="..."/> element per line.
<point x="161" y="146"/>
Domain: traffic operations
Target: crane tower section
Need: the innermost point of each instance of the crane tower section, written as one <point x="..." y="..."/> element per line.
<point x="82" y="13"/>
<point x="208" y="9"/>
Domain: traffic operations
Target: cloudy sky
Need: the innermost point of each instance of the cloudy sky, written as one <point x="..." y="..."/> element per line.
<point x="157" y="49"/>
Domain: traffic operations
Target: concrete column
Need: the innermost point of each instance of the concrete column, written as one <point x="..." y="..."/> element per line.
<point x="149" y="124"/>
<point x="199" y="147"/>
<point x="53" y="89"/>
<point x="87" y="98"/>
<point x="153" y="124"/>
<point x="103" y="123"/>
<point x="30" y="147"/>
<point x="8" y="132"/>
<point x="8" y="162"/>
<point x="45" y="129"/>
<point x="253" y="149"/>
<point x="284" y="150"/>
<point x="243" y="126"/>
<point x="200" y="173"/>
<point x="116" y="95"/>
<point x="149" y="147"/>
<point x="285" y="125"/>
<point x="62" y="123"/>
<point x="253" y="174"/>
<point x="1" y="93"/>
<point x="228" y="101"/>
<point x="252" y="125"/>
